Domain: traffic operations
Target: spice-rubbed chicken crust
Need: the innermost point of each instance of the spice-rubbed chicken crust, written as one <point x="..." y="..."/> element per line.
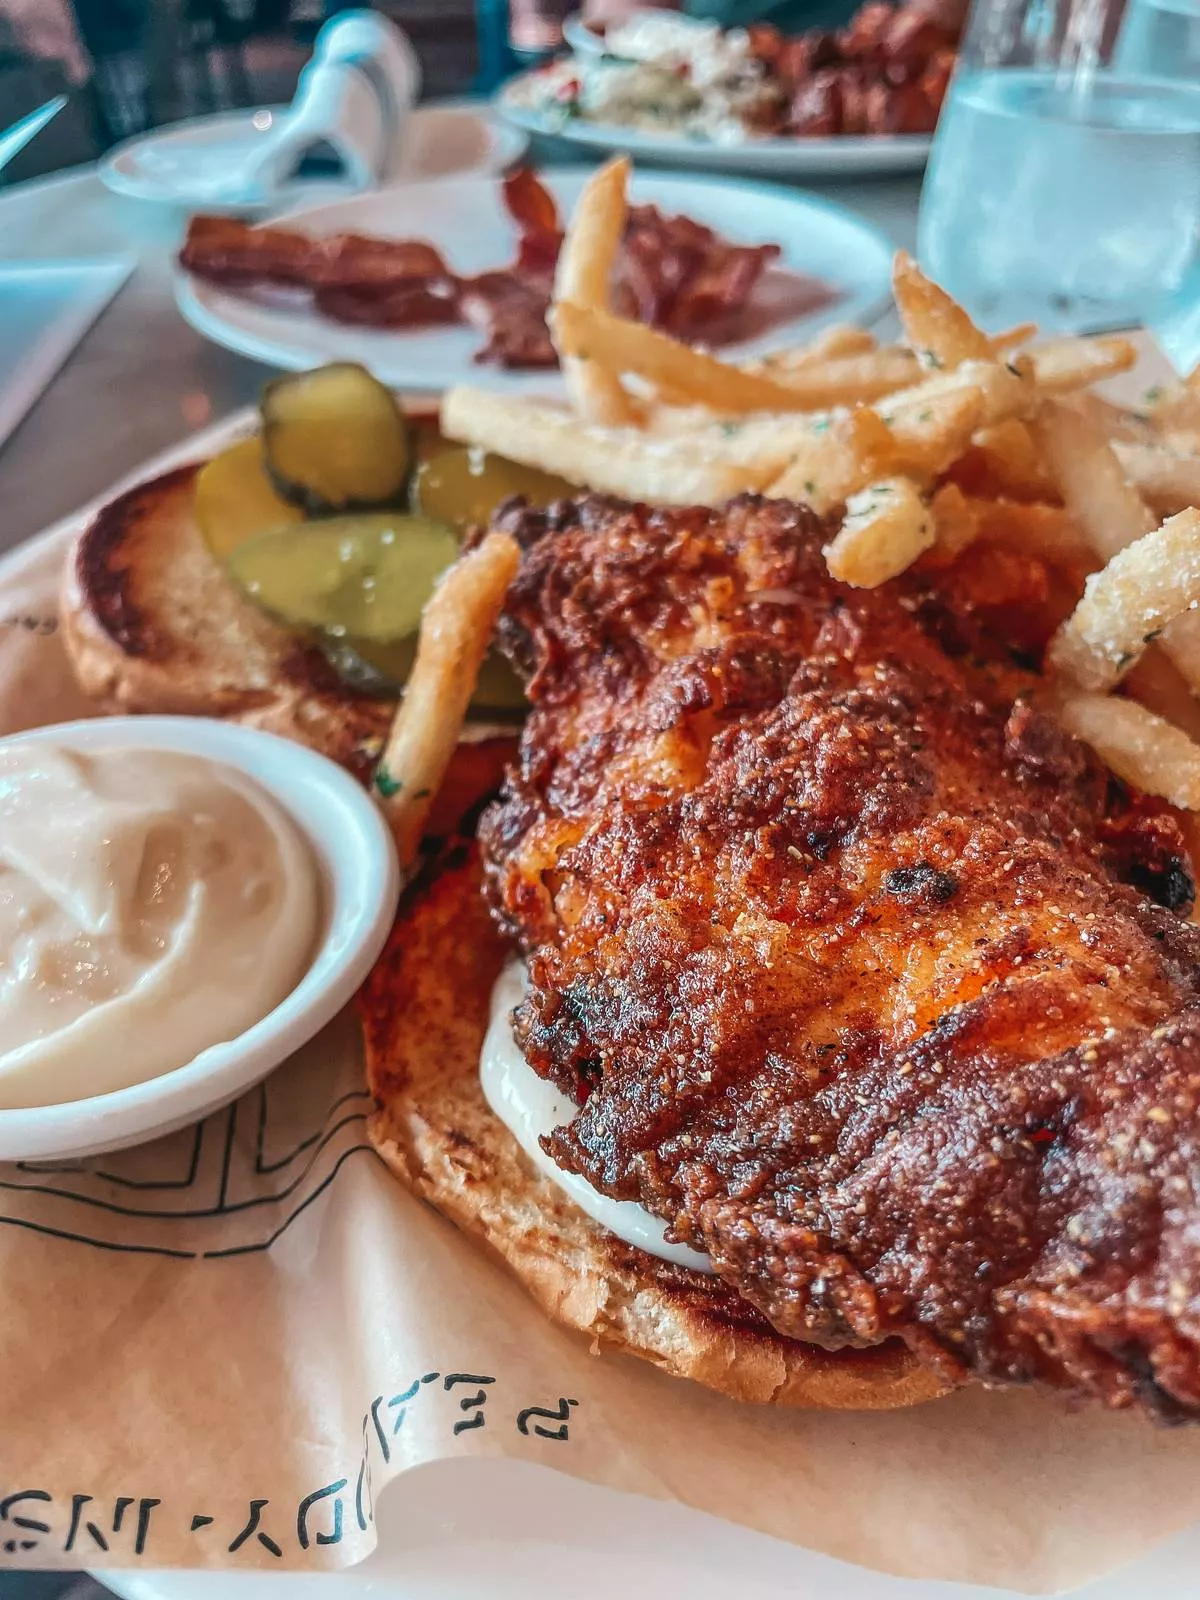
<point x="853" y="958"/>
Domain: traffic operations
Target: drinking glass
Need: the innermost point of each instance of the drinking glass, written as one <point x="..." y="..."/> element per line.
<point x="1161" y="39"/>
<point x="1064" y="181"/>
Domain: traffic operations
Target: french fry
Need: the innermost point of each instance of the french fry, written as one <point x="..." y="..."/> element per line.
<point x="1168" y="481"/>
<point x="623" y="347"/>
<point x="1060" y="365"/>
<point x="1108" y="508"/>
<point x="1004" y="394"/>
<point x="1095" y="489"/>
<point x="761" y="444"/>
<point x="1174" y="411"/>
<point x="844" y="340"/>
<point x="831" y="465"/>
<point x="583" y="275"/>
<point x="929" y="426"/>
<point x="1114" y="421"/>
<point x="1005" y="461"/>
<point x="1183" y="440"/>
<point x="886" y="527"/>
<point x="1156" y="683"/>
<point x="456" y="628"/>
<point x="1009" y="338"/>
<point x="623" y="461"/>
<point x="940" y="332"/>
<point x="1139" y="747"/>
<point x="928" y="435"/>
<point x="833" y="462"/>
<point x="840" y="340"/>
<point x="956" y="522"/>
<point x="1129" y="603"/>
<point x="849" y="379"/>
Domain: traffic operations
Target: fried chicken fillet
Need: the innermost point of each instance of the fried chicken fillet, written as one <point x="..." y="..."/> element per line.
<point x="866" y="977"/>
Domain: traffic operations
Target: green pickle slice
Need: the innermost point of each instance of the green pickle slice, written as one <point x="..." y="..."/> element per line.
<point x="335" y="439"/>
<point x="497" y="688"/>
<point x="234" y="500"/>
<point x="463" y="485"/>
<point x="363" y="577"/>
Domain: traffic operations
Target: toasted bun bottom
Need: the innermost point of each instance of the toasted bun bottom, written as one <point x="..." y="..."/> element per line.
<point x="425" y="1012"/>
<point x="152" y="623"/>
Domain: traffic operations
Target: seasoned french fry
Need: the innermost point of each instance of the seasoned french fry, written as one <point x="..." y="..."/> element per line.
<point x="831" y="465"/>
<point x="624" y="461"/>
<point x="1128" y="604"/>
<point x="621" y="347"/>
<point x="1107" y="507"/>
<point x="1003" y="393"/>
<point x="1004" y="460"/>
<point x="1168" y="481"/>
<point x="938" y="329"/>
<point x="834" y="461"/>
<point x="1009" y="338"/>
<point x="1061" y="365"/>
<point x="1114" y="421"/>
<point x="812" y="384"/>
<point x="456" y="628"/>
<point x="1138" y="746"/>
<point x="1155" y="682"/>
<point x="886" y="527"/>
<point x="849" y="379"/>
<point x="1174" y="411"/>
<point x="584" y="273"/>
<point x="956" y="522"/>
<point x="928" y="435"/>
<point x="1096" y="491"/>
<point x="762" y="444"/>
<point x="840" y="340"/>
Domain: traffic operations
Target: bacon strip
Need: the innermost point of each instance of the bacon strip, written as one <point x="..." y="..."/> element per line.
<point x="674" y="273"/>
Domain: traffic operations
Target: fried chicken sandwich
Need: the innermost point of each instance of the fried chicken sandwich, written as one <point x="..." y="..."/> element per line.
<point x="845" y="1045"/>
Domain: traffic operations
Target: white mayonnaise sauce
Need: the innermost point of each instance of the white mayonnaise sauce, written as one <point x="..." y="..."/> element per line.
<point x="529" y="1107"/>
<point x="151" y="904"/>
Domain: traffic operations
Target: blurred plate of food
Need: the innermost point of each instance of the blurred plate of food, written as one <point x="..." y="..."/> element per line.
<point x="175" y="165"/>
<point x="664" y="88"/>
<point x="427" y="286"/>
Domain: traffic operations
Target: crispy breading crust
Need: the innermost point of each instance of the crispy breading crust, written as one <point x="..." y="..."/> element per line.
<point x="854" y="962"/>
<point x="424" y="1011"/>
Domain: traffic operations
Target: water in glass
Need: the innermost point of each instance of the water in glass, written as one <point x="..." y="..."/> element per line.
<point x="1064" y="182"/>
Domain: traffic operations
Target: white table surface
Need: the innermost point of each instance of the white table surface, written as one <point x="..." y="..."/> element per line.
<point x="141" y="378"/>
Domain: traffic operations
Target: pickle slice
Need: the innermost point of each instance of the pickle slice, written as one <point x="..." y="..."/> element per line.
<point x="363" y="577"/>
<point x="464" y="485"/>
<point x="335" y="439"/>
<point x="234" y="500"/>
<point x="497" y="689"/>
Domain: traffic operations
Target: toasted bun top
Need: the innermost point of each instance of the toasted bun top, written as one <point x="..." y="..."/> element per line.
<point x="425" y="1012"/>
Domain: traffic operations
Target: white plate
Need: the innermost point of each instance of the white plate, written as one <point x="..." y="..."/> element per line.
<point x="172" y="164"/>
<point x="360" y="885"/>
<point x="465" y="218"/>
<point x="46" y="307"/>
<point x="508" y="1530"/>
<point x="848" y="155"/>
